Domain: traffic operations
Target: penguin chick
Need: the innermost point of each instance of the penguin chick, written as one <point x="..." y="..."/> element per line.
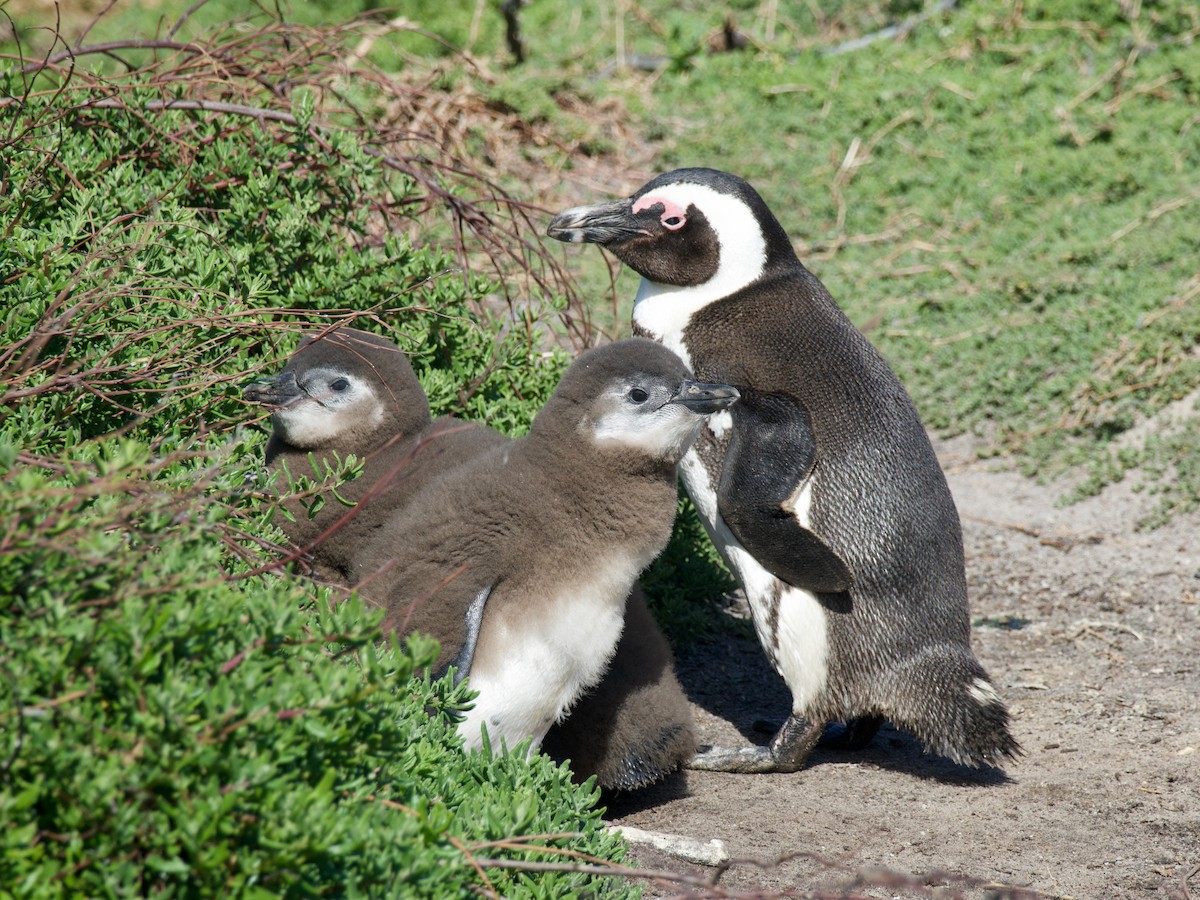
<point x="636" y="725"/>
<point x="541" y="539"/>
<point x="352" y="392"/>
<point x="348" y="392"/>
<point x="819" y="488"/>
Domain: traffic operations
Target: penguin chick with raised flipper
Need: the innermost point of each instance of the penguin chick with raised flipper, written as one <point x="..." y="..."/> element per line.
<point x="348" y="392"/>
<point x="540" y="540"/>
<point x="820" y="488"/>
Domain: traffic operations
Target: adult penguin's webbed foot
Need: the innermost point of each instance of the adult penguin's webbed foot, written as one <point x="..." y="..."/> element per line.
<point x="787" y="752"/>
<point x="854" y="734"/>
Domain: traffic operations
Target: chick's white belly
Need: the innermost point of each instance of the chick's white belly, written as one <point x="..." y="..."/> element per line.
<point x="537" y="666"/>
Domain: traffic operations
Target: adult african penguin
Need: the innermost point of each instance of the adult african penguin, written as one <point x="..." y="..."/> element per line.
<point x="541" y="539"/>
<point x="820" y="487"/>
<point x="349" y="392"/>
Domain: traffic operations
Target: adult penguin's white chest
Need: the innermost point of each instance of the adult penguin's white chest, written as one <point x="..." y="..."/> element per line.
<point x="790" y="622"/>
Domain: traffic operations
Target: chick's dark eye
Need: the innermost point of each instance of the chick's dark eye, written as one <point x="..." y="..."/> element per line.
<point x="637" y="395"/>
<point x="672" y="221"/>
<point x="339" y="384"/>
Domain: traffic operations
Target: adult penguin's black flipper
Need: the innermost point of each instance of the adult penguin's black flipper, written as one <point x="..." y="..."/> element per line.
<point x="760" y="486"/>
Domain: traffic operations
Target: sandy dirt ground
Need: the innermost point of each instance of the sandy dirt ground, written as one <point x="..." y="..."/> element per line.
<point x="1090" y="629"/>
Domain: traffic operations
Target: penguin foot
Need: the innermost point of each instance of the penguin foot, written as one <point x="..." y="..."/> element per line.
<point x="739" y="760"/>
<point x="787" y="752"/>
<point x="854" y="734"/>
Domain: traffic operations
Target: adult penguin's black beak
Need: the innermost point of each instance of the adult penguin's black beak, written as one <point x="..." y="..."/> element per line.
<point x="603" y="223"/>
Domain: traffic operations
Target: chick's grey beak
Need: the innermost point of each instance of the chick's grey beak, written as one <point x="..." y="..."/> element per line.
<point x="604" y="223"/>
<point x="705" y="397"/>
<point x="278" y="391"/>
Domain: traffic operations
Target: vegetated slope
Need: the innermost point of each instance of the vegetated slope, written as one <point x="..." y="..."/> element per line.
<point x="1004" y="199"/>
<point x="182" y="714"/>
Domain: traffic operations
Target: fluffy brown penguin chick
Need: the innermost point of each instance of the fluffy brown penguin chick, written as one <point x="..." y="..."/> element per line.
<point x="820" y="488"/>
<point x="348" y="392"/>
<point x="351" y="392"/>
<point x="541" y="539"/>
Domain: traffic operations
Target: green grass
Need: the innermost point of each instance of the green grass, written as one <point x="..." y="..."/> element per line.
<point x="1006" y="202"/>
<point x="1009" y="203"/>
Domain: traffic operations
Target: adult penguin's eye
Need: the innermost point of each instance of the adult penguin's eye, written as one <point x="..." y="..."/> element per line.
<point x="339" y="384"/>
<point x="637" y="395"/>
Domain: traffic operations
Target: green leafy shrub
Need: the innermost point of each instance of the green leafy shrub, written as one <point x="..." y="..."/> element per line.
<point x="178" y="715"/>
<point x="176" y="722"/>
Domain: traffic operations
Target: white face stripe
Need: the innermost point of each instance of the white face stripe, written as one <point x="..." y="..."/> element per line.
<point x="663" y="309"/>
<point x="664" y="432"/>
<point x="307" y="424"/>
<point x="664" y="435"/>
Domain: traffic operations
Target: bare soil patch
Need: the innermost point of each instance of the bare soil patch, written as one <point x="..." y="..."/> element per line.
<point x="1089" y="628"/>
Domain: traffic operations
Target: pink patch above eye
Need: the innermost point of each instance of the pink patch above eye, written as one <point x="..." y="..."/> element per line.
<point x="673" y="215"/>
